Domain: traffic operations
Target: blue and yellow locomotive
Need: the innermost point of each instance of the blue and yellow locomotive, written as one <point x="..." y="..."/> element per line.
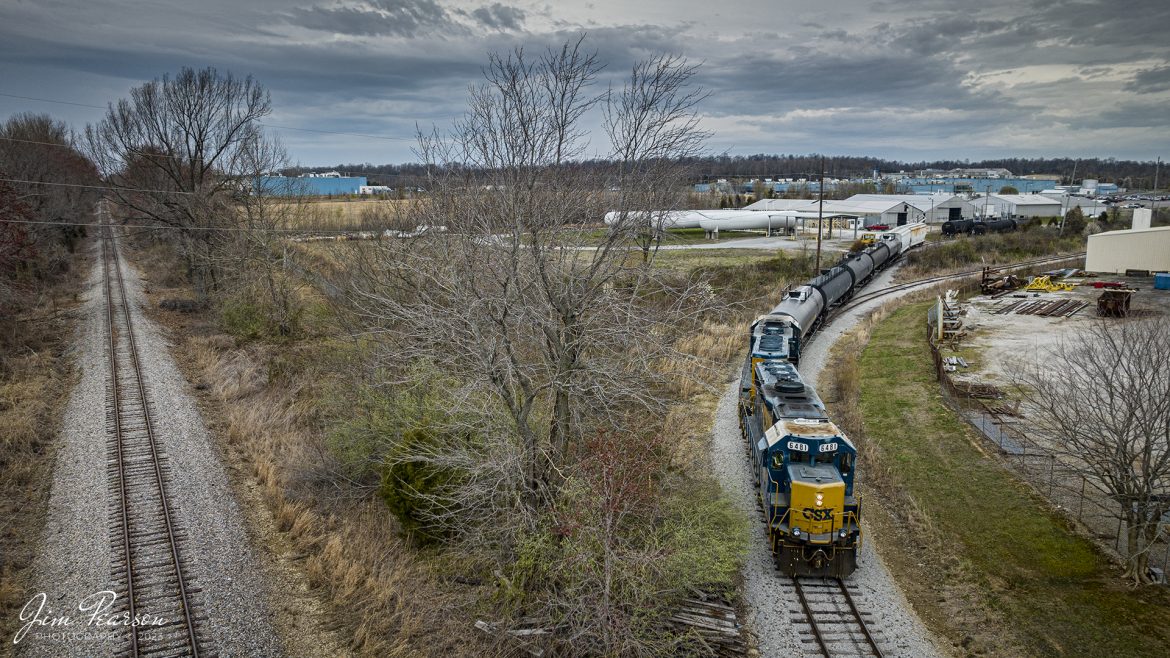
<point x="804" y="471"/>
<point x="804" y="464"/>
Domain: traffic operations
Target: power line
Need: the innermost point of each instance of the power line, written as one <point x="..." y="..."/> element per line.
<point x="266" y="125"/>
<point x="95" y="187"/>
<point x="336" y="132"/>
<point x="50" y="100"/>
<point x="29" y="141"/>
<point x="163" y="227"/>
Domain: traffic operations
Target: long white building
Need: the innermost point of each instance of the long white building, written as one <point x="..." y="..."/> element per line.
<point x="1015" y="205"/>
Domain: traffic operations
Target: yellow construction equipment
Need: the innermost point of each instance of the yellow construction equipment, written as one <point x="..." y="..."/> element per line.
<point x="1046" y="284"/>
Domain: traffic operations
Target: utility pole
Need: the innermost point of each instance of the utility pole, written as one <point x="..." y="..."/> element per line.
<point x="1157" y="165"/>
<point x="1063" y="210"/>
<point x="820" y="216"/>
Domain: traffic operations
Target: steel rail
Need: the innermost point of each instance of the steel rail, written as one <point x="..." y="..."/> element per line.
<point x="851" y="616"/>
<point x="118" y="443"/>
<point x="877" y="651"/>
<point x="812" y="620"/>
<point x="112" y="260"/>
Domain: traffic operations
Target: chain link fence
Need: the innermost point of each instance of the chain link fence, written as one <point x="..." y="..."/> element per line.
<point x="1069" y="490"/>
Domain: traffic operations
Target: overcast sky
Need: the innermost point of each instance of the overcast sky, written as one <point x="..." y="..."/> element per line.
<point x="911" y="79"/>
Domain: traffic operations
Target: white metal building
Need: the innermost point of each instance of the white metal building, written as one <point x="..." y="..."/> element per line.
<point x="892" y="210"/>
<point x="1115" y="252"/>
<point x="935" y="208"/>
<point x="1016" y="205"/>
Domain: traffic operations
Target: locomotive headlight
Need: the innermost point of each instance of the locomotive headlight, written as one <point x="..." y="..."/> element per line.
<point x="796" y="532"/>
<point x="842" y="534"/>
<point x="820" y="499"/>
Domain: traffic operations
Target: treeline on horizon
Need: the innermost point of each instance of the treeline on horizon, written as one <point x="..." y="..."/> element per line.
<point x="1132" y="174"/>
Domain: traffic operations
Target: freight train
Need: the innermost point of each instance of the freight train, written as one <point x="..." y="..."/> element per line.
<point x="804" y="465"/>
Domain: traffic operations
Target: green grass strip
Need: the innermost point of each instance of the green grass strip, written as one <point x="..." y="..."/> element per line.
<point x="1058" y="593"/>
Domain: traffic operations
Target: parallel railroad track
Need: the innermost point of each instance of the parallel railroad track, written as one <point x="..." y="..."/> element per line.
<point x="146" y="541"/>
<point x="858" y="300"/>
<point x="831" y="621"/>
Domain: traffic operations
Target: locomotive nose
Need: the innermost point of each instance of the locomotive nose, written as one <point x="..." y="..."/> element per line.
<point x="818" y="507"/>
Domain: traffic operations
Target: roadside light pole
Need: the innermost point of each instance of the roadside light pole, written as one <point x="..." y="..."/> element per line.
<point x="1063" y="210"/>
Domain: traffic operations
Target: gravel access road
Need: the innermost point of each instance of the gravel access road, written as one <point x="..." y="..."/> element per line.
<point x="76" y="558"/>
<point x="771" y="608"/>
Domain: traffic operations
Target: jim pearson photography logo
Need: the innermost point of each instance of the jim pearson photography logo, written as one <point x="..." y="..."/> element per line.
<point x="96" y="617"/>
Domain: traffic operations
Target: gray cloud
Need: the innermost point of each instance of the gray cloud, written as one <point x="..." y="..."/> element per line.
<point x="921" y="78"/>
<point x="401" y="18"/>
<point x="500" y="17"/>
<point x="1149" y="81"/>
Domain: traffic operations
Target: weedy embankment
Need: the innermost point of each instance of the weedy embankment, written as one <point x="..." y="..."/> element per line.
<point x="985" y="561"/>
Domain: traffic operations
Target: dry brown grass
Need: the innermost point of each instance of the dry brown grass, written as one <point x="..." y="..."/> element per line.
<point x="355" y="214"/>
<point x="35" y="379"/>
<point x="382" y="599"/>
<point x="698" y="376"/>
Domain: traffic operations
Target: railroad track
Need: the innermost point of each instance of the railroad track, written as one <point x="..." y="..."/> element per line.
<point x="147" y="560"/>
<point x="830" y="621"/>
<point x="858" y="300"/>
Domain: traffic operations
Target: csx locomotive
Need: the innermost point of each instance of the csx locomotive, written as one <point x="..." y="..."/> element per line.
<point x="804" y="464"/>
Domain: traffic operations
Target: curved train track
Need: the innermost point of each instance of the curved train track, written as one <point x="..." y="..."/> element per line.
<point x="829" y="618"/>
<point x="147" y="542"/>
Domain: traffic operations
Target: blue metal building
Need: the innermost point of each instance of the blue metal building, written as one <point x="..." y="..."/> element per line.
<point x="310" y="186"/>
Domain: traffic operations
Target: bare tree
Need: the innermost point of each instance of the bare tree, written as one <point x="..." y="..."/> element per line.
<point x="45" y="212"/>
<point x="653" y="127"/>
<point x="1102" y="399"/>
<point x="39" y="149"/>
<point x="547" y="331"/>
<point x="177" y="152"/>
<point x="254" y="258"/>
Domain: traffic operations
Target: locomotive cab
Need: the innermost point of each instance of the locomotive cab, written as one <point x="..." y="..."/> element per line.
<point x="813" y="515"/>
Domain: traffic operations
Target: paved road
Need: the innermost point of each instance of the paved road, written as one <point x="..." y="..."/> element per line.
<point x="763" y="243"/>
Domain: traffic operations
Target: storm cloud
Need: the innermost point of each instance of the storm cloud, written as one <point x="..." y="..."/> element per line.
<point x="907" y="79"/>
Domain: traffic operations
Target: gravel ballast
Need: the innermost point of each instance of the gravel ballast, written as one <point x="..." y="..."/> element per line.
<point x="76" y="560"/>
<point x="771" y="609"/>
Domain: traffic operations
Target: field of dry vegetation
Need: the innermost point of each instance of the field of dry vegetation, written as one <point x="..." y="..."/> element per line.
<point x="41" y="271"/>
<point x="35" y="377"/>
<point x="306" y="414"/>
<point x="488" y="422"/>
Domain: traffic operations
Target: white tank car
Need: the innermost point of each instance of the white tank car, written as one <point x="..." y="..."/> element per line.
<point x="738" y="220"/>
<point x="671" y="218"/>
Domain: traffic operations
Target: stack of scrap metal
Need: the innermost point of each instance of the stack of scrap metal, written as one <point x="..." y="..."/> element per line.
<point x="998" y="286"/>
<point x="979" y="391"/>
<point x="1049" y="308"/>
